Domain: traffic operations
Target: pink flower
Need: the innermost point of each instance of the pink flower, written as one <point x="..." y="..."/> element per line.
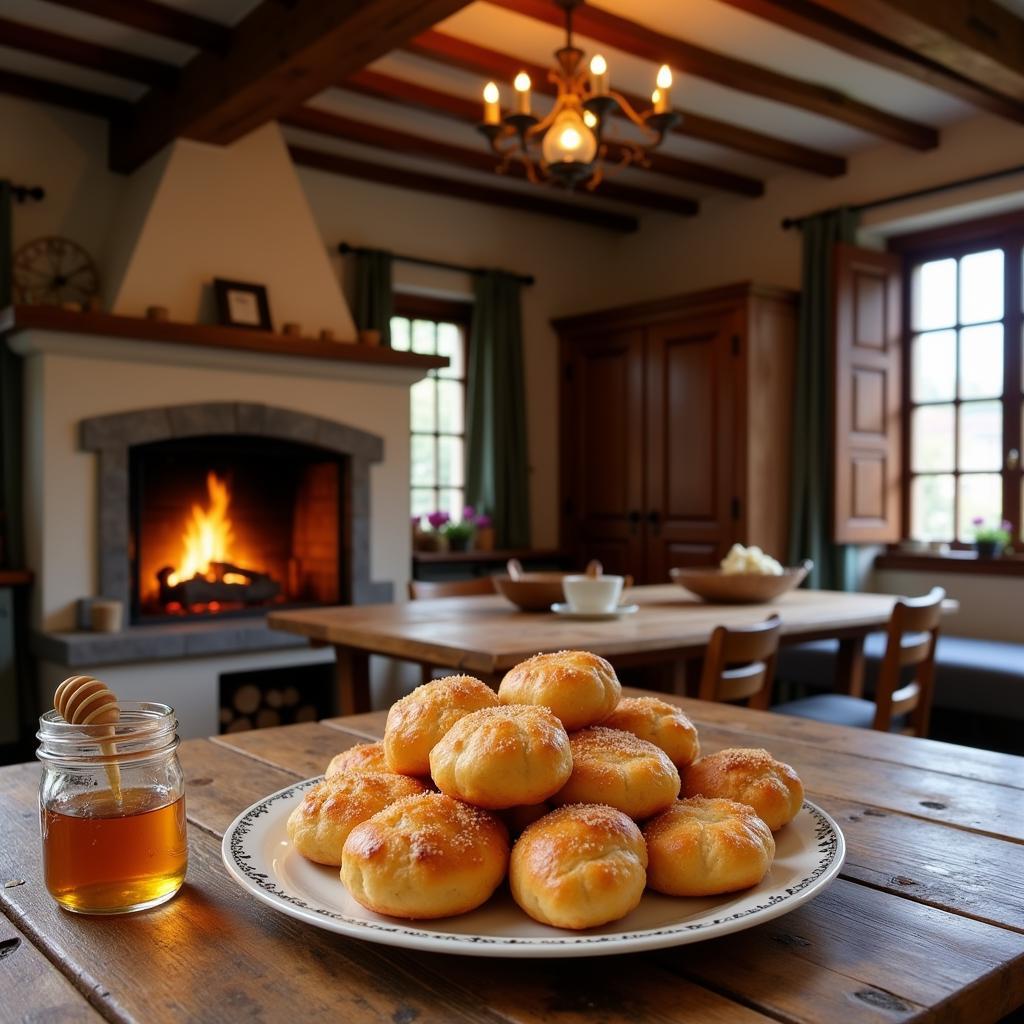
<point x="977" y="520"/>
<point x="438" y="519"/>
<point x="482" y="522"/>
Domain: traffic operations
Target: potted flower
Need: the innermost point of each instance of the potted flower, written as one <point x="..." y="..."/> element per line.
<point x="432" y="539"/>
<point x="459" y="534"/>
<point x="989" y="541"/>
<point x="484" y="540"/>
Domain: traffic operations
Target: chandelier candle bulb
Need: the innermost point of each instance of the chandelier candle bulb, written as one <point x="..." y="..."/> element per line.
<point x="492" y="111"/>
<point x="598" y="75"/>
<point x="661" y="95"/>
<point x="522" y="87"/>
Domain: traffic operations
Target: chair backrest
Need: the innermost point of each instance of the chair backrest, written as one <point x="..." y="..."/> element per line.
<point x="740" y="663"/>
<point x="451" y="588"/>
<point x="910" y="641"/>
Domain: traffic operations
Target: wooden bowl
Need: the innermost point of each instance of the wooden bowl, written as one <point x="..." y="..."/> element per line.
<point x="533" y="591"/>
<point x="717" y="587"/>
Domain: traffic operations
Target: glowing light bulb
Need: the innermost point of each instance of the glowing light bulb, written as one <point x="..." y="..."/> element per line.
<point x="522" y="87"/>
<point x="492" y="112"/>
<point x="598" y="75"/>
<point x="589" y="119"/>
<point x="569" y="140"/>
<point x="491" y="94"/>
<point x="656" y="97"/>
<point x="598" y="65"/>
<point x="664" y="78"/>
<point x="522" y="82"/>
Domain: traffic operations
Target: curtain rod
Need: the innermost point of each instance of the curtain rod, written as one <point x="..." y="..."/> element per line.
<point x="344" y="248"/>
<point x="795" y="222"/>
<point x="23" y="192"/>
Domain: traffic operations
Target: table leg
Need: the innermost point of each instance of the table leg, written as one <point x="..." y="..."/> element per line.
<point x="850" y="666"/>
<point x="351" y="681"/>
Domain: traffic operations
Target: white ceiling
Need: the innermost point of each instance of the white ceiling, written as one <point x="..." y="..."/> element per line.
<point x="709" y="23"/>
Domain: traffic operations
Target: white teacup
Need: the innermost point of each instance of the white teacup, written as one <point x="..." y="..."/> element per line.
<point x="592" y="594"/>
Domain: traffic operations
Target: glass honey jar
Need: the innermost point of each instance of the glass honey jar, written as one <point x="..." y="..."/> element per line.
<point x="112" y="810"/>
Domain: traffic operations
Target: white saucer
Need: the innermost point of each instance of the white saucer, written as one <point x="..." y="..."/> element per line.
<point x="619" y="610"/>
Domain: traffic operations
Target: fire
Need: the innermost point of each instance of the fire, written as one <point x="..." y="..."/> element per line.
<point x="208" y="535"/>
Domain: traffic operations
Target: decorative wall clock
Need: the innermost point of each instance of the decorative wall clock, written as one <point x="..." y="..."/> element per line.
<point x="53" y="271"/>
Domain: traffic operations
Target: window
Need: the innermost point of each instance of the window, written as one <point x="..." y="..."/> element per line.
<point x="438" y="403"/>
<point x="964" y="386"/>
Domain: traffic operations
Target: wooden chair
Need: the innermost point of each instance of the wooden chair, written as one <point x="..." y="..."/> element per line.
<point x="740" y="663"/>
<point x="428" y="589"/>
<point x="910" y="642"/>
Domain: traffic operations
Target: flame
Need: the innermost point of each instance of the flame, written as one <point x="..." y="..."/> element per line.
<point x="208" y="534"/>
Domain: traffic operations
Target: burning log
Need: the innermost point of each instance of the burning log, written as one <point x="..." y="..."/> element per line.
<point x="251" y="588"/>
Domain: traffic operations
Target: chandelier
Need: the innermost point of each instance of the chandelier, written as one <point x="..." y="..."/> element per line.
<point x="570" y="146"/>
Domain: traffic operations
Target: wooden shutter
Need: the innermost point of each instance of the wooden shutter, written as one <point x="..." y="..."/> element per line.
<point x="867" y="424"/>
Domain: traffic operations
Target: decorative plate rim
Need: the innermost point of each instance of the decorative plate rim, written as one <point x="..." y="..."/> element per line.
<point x="828" y="839"/>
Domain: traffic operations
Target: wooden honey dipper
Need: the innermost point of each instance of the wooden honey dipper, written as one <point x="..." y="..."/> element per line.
<point x="83" y="700"/>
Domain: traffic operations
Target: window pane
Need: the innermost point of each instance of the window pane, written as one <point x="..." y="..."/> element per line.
<point x="400" y="333"/>
<point x="933" y="370"/>
<point x="449" y="461"/>
<point x="931" y="508"/>
<point x="450" y="406"/>
<point x="423" y="470"/>
<point x="449" y="343"/>
<point x="981" y="287"/>
<point x="423" y="336"/>
<point x="424" y="417"/>
<point x="452" y="502"/>
<point x="981" y="361"/>
<point x="932" y="435"/>
<point x="981" y="435"/>
<point x="423" y="501"/>
<point x="981" y="494"/>
<point x="933" y="295"/>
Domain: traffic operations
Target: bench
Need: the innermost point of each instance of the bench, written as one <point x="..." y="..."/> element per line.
<point x="984" y="677"/>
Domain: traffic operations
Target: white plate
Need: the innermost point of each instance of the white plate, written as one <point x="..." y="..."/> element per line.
<point x="622" y="609"/>
<point x="259" y="856"/>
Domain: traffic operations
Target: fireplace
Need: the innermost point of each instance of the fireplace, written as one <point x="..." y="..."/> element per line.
<point x="229" y="525"/>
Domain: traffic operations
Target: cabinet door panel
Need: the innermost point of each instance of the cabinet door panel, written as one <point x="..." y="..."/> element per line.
<point x="691" y="439"/>
<point x="602" y="450"/>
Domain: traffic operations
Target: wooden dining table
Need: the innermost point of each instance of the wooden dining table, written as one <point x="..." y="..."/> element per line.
<point x="925" y="922"/>
<point x="486" y="636"/>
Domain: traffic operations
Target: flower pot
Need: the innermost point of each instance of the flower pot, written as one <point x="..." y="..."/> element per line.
<point x="459" y="543"/>
<point x="988" y="548"/>
<point x="428" y="540"/>
<point x="484" y="540"/>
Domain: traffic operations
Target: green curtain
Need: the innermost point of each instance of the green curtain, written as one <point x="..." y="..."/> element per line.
<point x="497" y="470"/>
<point x="12" y="551"/>
<point x="374" y="292"/>
<point x="810" y="534"/>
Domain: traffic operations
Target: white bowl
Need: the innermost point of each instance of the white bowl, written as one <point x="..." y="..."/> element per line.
<point x="592" y="594"/>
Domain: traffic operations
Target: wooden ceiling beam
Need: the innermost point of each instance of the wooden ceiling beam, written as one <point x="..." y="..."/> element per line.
<point x="410" y="94"/>
<point x="42" y="90"/>
<point x="841" y="33"/>
<point x="157" y="19"/>
<point x="366" y="134"/>
<point x="640" y="41"/>
<point x="384" y="174"/>
<point x="280" y="54"/>
<point x="21" y="36"/>
<point x="455" y="52"/>
<point x="978" y="39"/>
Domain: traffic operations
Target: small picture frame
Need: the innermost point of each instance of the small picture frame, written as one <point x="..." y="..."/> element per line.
<point x="240" y="304"/>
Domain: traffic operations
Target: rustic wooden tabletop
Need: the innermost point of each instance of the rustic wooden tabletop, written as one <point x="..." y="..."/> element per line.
<point x="926" y="921"/>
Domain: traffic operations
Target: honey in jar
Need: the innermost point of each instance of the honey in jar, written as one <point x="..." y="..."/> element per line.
<point x="112" y="811"/>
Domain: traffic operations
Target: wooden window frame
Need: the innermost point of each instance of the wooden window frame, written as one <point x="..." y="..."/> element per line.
<point x="1004" y="232"/>
<point x="440" y="310"/>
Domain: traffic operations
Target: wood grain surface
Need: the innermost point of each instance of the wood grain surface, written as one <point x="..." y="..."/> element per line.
<point x="926" y="921"/>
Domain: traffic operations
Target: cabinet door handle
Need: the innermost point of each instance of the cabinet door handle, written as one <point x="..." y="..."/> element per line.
<point x="654" y="521"/>
<point x="633" y="518"/>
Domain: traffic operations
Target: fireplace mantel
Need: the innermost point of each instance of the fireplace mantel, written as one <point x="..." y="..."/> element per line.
<point x="16" y="319"/>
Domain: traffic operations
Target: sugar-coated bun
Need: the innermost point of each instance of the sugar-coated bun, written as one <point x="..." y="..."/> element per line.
<point x="363" y="757"/>
<point x="580" y="688"/>
<point x="703" y="847"/>
<point x="579" y="866"/>
<point x="417" y="721"/>
<point x="660" y="723"/>
<point x="427" y="856"/>
<point x="319" y="826"/>
<point x="610" y="766"/>
<point x="751" y="776"/>
<point x="504" y="756"/>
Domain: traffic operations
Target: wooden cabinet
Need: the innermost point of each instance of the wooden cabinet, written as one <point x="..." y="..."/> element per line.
<point x="675" y="429"/>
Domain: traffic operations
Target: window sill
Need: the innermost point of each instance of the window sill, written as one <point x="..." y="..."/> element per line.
<point x="952" y="562"/>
